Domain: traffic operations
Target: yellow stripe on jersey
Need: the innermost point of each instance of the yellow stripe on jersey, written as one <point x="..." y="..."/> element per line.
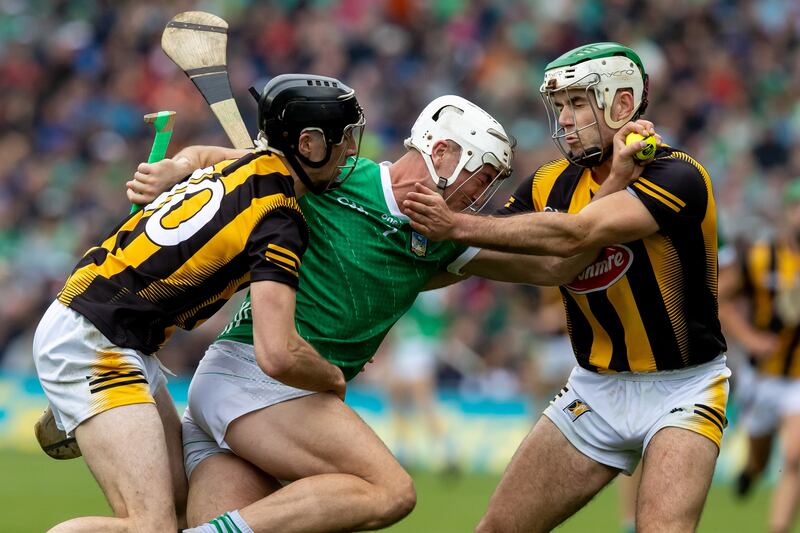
<point x="640" y="353"/>
<point x="657" y="196"/>
<point x="669" y="273"/>
<point x="218" y="250"/>
<point x="133" y="255"/>
<point x="663" y="191"/>
<point x="286" y="251"/>
<point x="289" y="270"/>
<point x="225" y="294"/>
<point x="543" y="181"/>
<point x="263" y="165"/>
<point x="758" y="265"/>
<point x="601" y="347"/>
<point x="281" y="259"/>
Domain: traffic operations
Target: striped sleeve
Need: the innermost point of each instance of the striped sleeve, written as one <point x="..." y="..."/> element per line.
<point x="674" y="191"/>
<point x="276" y="247"/>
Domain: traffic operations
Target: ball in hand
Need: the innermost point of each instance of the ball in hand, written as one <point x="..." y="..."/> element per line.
<point x="648" y="151"/>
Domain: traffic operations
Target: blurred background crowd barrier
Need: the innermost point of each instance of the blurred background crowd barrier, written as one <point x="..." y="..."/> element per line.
<point x="76" y="77"/>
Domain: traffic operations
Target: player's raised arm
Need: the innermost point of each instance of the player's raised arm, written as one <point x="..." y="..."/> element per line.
<point x="151" y="179"/>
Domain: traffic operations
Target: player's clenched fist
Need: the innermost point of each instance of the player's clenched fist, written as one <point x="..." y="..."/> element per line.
<point x="429" y="213"/>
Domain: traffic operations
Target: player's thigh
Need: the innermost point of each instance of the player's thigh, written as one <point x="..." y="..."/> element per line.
<point x="677" y="469"/>
<point x="545" y="483"/>
<point x="316" y="434"/>
<point x="172" y="434"/>
<point x="125" y="449"/>
<point x="223" y="482"/>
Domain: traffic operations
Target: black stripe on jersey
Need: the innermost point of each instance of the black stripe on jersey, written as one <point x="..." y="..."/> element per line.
<point x="710" y="419"/>
<point x="775" y="322"/>
<point x="119" y="384"/>
<point x="790" y="350"/>
<point x="607" y="317"/>
<point x="717" y="414"/>
<point x="564" y="187"/>
<point x="580" y="331"/>
<point x="650" y="303"/>
<point x="242" y="161"/>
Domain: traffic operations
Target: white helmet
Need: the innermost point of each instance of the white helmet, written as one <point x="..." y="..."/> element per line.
<point x="482" y="139"/>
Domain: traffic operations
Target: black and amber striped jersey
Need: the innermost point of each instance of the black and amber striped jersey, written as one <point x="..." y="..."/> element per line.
<point x="770" y="282"/>
<point x="650" y="304"/>
<point x="178" y="260"/>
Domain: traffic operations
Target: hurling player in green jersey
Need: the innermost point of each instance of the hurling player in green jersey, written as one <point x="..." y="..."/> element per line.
<point x="363" y="269"/>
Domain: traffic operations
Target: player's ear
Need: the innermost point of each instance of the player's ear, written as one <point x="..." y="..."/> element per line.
<point x="622" y="107"/>
<point x="311" y="145"/>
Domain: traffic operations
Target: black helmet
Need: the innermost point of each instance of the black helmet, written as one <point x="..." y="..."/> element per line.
<point x="292" y="103"/>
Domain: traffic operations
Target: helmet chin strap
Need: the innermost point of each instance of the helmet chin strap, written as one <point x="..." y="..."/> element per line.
<point x="295" y="158"/>
<point x="593" y="157"/>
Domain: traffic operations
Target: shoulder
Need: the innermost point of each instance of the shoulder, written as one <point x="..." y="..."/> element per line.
<point x="676" y="164"/>
<point x="550" y="171"/>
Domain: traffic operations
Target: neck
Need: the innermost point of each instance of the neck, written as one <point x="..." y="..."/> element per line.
<point x="602" y="171"/>
<point x="299" y="187"/>
<point x="407" y="171"/>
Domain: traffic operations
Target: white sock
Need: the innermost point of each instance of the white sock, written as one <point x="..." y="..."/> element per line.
<point x="231" y="521"/>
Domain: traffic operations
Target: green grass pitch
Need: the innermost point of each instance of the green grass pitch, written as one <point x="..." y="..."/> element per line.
<point x="39" y="492"/>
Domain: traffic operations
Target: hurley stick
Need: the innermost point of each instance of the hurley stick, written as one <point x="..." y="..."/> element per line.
<point x="197" y="42"/>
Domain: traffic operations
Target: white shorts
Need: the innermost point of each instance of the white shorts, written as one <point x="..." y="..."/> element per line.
<point x="83" y="373"/>
<point x="228" y="384"/>
<point x="612" y="417"/>
<point x="773" y="398"/>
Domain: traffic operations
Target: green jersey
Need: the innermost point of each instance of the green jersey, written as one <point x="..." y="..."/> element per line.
<point x="363" y="268"/>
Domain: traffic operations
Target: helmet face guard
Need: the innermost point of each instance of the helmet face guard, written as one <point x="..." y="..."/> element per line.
<point x="588" y="155"/>
<point x="500" y="174"/>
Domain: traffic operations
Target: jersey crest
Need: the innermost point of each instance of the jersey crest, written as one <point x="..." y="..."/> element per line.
<point x="419" y="244"/>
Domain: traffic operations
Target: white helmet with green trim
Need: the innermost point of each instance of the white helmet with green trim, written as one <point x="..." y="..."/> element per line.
<point x="482" y="139"/>
<point x="600" y="69"/>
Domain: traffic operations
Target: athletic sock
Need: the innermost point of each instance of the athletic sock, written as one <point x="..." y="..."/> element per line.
<point x="231" y="522"/>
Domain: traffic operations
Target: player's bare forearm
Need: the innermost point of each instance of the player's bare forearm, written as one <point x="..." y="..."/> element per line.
<point x="203" y="156"/>
<point x="529" y="269"/>
<point x="151" y="179"/>
<point x="280" y="352"/>
<point x="310" y="371"/>
<point x="617" y="218"/>
<point x="556" y="234"/>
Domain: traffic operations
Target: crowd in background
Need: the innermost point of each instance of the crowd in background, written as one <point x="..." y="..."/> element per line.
<point x="76" y="76"/>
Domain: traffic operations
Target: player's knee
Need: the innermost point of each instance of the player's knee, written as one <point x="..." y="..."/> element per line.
<point x="399" y="500"/>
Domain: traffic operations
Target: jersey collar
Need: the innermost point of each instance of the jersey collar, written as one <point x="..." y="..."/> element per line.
<point x="388" y="193"/>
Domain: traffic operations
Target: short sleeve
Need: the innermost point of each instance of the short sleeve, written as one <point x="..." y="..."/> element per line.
<point x="521" y="201"/>
<point x="674" y="191"/>
<point x="276" y="247"/>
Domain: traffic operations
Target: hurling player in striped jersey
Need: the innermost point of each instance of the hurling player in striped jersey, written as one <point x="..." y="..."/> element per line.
<point x="651" y="379"/>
